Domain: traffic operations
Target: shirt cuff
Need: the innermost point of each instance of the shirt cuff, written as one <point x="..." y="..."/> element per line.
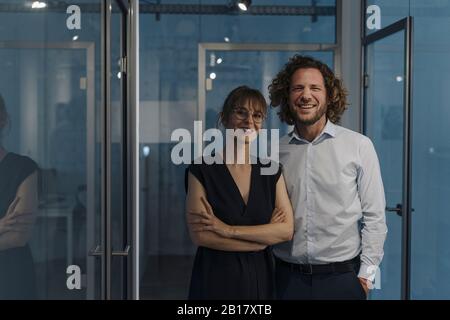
<point x="368" y="272"/>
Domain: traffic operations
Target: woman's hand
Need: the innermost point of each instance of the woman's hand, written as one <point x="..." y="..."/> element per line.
<point x="278" y="216"/>
<point x="9" y="222"/>
<point x="207" y="221"/>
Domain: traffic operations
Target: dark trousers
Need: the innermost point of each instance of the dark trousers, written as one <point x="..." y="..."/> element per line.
<point x="291" y="284"/>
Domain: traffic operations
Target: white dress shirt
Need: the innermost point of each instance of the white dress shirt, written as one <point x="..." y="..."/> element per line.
<point x="336" y="191"/>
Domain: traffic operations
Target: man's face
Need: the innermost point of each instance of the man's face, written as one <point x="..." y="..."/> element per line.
<point x="307" y="96"/>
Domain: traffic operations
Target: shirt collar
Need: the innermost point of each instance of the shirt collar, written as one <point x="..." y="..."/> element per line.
<point x="329" y="130"/>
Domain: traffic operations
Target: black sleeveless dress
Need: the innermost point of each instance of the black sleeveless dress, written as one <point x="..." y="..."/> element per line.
<point x="17" y="275"/>
<point x="234" y="275"/>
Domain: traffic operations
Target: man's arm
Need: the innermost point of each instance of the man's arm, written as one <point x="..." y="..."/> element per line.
<point x="373" y="204"/>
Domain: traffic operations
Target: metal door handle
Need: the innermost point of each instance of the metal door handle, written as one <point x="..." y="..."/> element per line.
<point x="122" y="253"/>
<point x="98" y="252"/>
<point x="398" y="209"/>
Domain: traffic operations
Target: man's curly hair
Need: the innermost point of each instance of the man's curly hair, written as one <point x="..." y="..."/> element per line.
<point x="280" y="86"/>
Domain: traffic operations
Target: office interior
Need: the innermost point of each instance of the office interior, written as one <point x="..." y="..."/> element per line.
<point x="95" y="88"/>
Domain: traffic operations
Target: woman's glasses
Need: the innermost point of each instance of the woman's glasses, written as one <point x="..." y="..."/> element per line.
<point x="243" y="114"/>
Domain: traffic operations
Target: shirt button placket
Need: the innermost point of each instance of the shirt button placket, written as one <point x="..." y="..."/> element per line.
<point x="308" y="200"/>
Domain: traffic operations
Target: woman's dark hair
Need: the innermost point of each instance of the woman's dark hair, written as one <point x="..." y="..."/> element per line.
<point x="280" y="86"/>
<point x="239" y="97"/>
<point x="4" y="118"/>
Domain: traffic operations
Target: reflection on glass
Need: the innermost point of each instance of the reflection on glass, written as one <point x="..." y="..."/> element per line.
<point x="18" y="208"/>
<point x="51" y="85"/>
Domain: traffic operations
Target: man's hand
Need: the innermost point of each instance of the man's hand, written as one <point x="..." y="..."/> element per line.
<point x="365" y="284"/>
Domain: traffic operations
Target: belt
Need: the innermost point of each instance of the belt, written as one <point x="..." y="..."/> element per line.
<point x="340" y="267"/>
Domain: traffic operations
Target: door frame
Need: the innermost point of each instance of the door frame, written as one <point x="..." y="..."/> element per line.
<point x="132" y="70"/>
<point x="405" y="25"/>
<point x="130" y="149"/>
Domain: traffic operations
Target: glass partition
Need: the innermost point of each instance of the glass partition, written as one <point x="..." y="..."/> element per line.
<point x="173" y="48"/>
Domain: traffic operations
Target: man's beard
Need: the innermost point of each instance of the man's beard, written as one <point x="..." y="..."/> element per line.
<point x="311" y="120"/>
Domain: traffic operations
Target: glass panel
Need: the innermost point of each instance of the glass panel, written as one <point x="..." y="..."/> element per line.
<point x="181" y="30"/>
<point x="384" y="125"/>
<point x="169" y="100"/>
<point x="430" y="252"/>
<point x="241" y="29"/>
<point x="50" y="87"/>
<point x="255" y="69"/>
<point x="167" y="253"/>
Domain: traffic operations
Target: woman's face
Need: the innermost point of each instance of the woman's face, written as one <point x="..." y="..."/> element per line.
<point x="248" y="119"/>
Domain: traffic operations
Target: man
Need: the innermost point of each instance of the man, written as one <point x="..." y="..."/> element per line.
<point x="334" y="183"/>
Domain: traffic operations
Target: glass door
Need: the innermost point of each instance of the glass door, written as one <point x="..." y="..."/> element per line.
<point x="66" y="152"/>
<point x="386" y="121"/>
<point x="49" y="83"/>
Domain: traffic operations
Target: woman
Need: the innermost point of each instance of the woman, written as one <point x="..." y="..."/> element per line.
<point x="235" y="213"/>
<point x="18" y="203"/>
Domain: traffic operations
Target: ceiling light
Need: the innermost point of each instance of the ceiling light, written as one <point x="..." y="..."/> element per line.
<point x="146" y="151"/>
<point x="38" y="4"/>
<point x="212" y="75"/>
<point x="244" y="4"/>
<point x="219" y="60"/>
<point x="75" y="38"/>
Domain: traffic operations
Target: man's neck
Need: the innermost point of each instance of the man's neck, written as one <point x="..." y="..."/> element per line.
<point x="311" y="132"/>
